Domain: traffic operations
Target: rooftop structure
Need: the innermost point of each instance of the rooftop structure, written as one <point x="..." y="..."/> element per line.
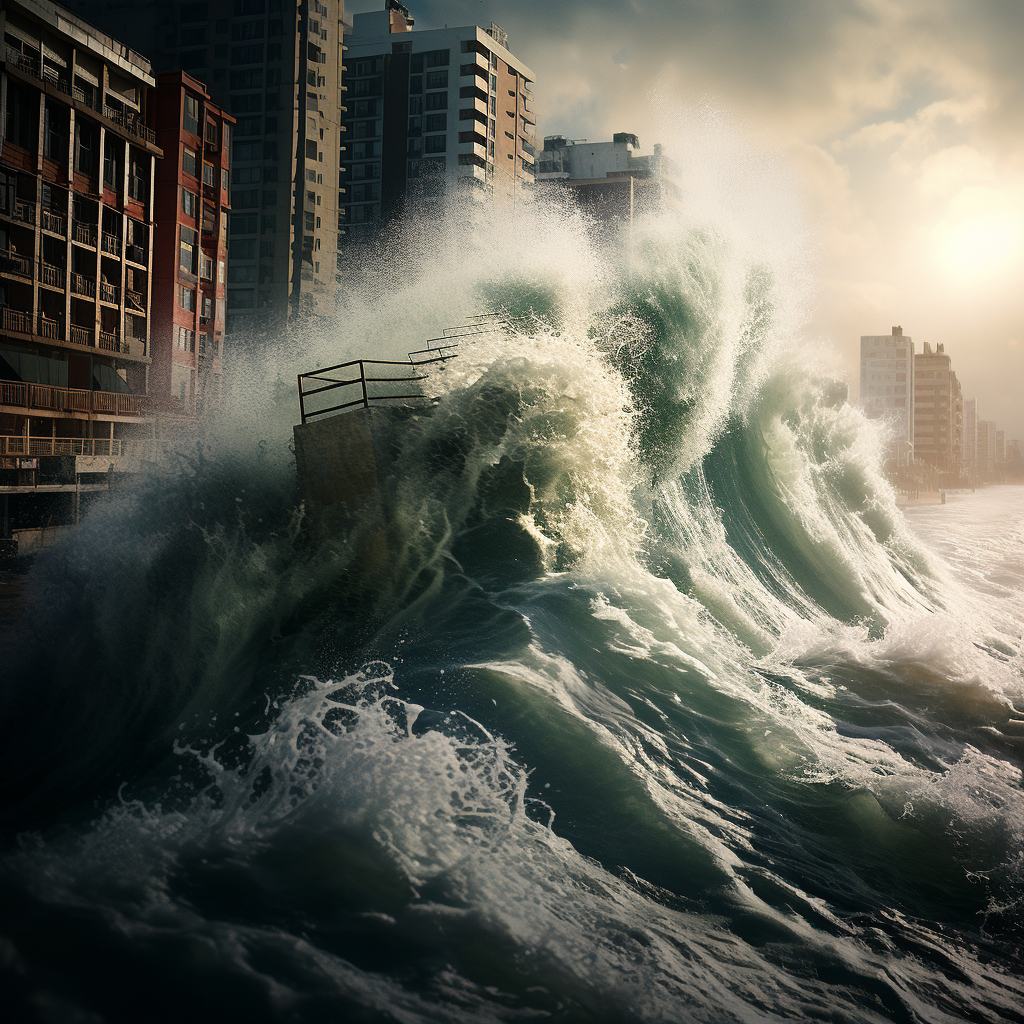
<point x="612" y="180"/>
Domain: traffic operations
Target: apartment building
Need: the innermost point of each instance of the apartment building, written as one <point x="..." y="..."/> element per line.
<point x="77" y="171"/>
<point x="275" y="65"/>
<point x="190" y="257"/>
<point x="986" y="446"/>
<point x="611" y="180"/>
<point x="938" y="410"/>
<point x="970" y="435"/>
<point x="432" y="116"/>
<point x="887" y="386"/>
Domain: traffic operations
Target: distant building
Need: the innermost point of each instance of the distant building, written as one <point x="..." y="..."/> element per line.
<point x="190" y="259"/>
<point x="432" y="116"/>
<point x="986" y="446"/>
<point x="1000" y="446"/>
<point x="276" y="66"/>
<point x="970" y="435"/>
<point x="887" y="386"/>
<point x="77" y="169"/>
<point x="611" y="180"/>
<point x="936" y="397"/>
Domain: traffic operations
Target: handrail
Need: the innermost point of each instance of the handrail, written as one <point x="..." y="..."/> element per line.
<point x="479" y="323"/>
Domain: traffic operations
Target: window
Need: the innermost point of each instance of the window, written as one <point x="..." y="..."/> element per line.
<point x="246" y="151"/>
<point x="207" y="312"/>
<point x="246" y="104"/>
<point x="435" y="143"/>
<point x="245" y="175"/>
<point x="187" y="299"/>
<point x="247" y="79"/>
<point x="241" y="298"/>
<point x="267" y="249"/>
<point x="245" y="198"/>
<point x="243" y="224"/>
<point x="436" y="101"/>
<point x="437" y="58"/>
<point x="252" y="54"/>
<point x="55" y="133"/>
<point x="208" y="174"/>
<point x="248" y="126"/>
<point x="270" y="150"/>
<point x="437" y="79"/>
<point x="435" y="122"/>
<point x="269" y="223"/>
<point x="243" y="249"/>
<point x="188" y="161"/>
<point x="244" y="7"/>
<point x="186" y="339"/>
<point x="241" y="30"/>
<point x="188" y="203"/>
<point x="206" y="273"/>
<point x="187" y="251"/>
<point x="415" y="104"/>
<point x="242" y="275"/>
<point x="190" y="115"/>
<point x="269" y="197"/>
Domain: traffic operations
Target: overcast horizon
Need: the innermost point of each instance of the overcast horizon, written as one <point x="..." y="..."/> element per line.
<point x="901" y="123"/>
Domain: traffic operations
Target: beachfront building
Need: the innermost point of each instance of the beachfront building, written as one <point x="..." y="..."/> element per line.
<point x="432" y="117"/>
<point x="612" y="181"/>
<point x="887" y="387"/>
<point x="276" y="66"/>
<point x="970" y="435"/>
<point x="190" y="254"/>
<point x="986" y="447"/>
<point x="938" y="435"/>
<point x="77" y="172"/>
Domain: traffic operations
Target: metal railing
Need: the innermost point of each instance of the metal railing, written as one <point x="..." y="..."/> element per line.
<point x="135" y="302"/>
<point x="50" y="221"/>
<point x="18" y="444"/>
<point x="82" y="285"/>
<point x="84" y="233"/>
<point x="58" y="399"/>
<point x="110" y="243"/>
<point x="81" y="335"/>
<point x="51" y="276"/>
<point x="369" y="382"/>
<point x="16" y="320"/>
<point x="22" y="211"/>
<point x="110" y="293"/>
<point x="132" y="122"/>
<point x="14" y="263"/>
<point x="50" y="328"/>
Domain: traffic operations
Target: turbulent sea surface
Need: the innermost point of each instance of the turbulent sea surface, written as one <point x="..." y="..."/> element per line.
<point x="656" y="709"/>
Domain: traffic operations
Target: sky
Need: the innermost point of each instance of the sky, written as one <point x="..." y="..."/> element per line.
<point x="901" y="123"/>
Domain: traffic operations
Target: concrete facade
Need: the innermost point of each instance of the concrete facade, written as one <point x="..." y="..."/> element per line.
<point x="938" y="437"/>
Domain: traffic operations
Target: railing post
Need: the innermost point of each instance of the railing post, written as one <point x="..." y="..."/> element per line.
<point x="302" y="403"/>
<point x="362" y="378"/>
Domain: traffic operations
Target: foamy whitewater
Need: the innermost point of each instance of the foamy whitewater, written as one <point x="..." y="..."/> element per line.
<point x="659" y="710"/>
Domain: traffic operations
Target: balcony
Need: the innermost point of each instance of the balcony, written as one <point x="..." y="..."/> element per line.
<point x="16" y="320"/>
<point x="130" y="121"/>
<point x="135" y="302"/>
<point x="20" y="210"/>
<point x="111" y="244"/>
<point x="56" y="399"/>
<point x="109" y="341"/>
<point x="12" y="263"/>
<point x="82" y="285"/>
<point x="110" y="293"/>
<point x="50" y="328"/>
<point x="82" y="335"/>
<point x="53" y="222"/>
<point x="84" y="234"/>
<point x="136" y="254"/>
<point x="52" y="277"/>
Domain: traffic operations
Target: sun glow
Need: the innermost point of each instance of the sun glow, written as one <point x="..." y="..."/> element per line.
<point x="979" y="248"/>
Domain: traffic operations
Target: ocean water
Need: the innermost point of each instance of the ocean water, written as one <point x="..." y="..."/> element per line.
<point x="656" y="709"/>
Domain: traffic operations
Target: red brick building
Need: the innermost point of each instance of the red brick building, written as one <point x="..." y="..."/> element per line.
<point x="190" y="251"/>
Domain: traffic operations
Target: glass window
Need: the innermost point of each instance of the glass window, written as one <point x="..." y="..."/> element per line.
<point x="190" y="118"/>
<point x="188" y="161"/>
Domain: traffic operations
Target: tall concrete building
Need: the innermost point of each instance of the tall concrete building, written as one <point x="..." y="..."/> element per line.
<point x="276" y="66"/>
<point x="986" y="446"/>
<point x="612" y="180"/>
<point x="937" y="410"/>
<point x="433" y="116"/>
<point x="887" y="386"/>
<point x="1000" y="446"/>
<point x="970" y="435"/>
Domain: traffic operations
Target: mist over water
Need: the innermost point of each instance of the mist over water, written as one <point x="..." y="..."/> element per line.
<point x="658" y="709"/>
